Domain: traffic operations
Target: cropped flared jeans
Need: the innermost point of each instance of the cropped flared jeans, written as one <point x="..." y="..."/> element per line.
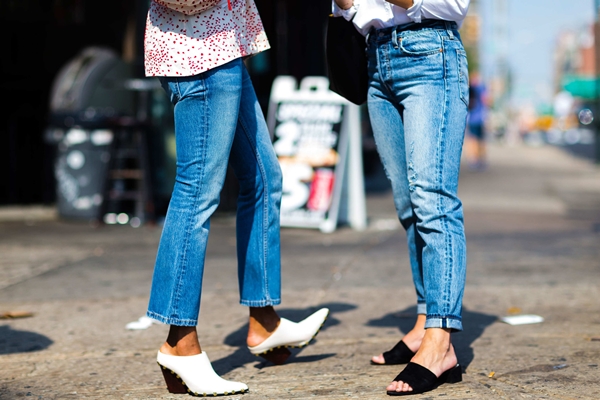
<point x="418" y="101"/>
<point x="218" y="121"/>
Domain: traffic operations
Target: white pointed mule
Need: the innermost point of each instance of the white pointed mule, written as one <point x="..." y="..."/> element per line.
<point x="292" y="334"/>
<point x="196" y="376"/>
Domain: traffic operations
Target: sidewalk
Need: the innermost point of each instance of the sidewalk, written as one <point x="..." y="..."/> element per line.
<point x="533" y="236"/>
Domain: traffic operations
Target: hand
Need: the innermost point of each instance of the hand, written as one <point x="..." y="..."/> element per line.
<point x="406" y="4"/>
<point x="345" y="4"/>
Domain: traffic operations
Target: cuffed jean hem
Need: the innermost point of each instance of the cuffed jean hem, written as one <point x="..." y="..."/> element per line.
<point x="260" y="303"/>
<point x="421" y="308"/>
<point x="451" y="322"/>
<point x="172" y="321"/>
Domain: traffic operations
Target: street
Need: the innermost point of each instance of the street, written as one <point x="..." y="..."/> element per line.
<point x="533" y="236"/>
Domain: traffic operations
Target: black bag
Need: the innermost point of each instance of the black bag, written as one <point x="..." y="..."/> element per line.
<point x="346" y="60"/>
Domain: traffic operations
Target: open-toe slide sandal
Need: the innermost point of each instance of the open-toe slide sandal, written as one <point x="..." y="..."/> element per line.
<point x="399" y="354"/>
<point x="290" y="334"/>
<point x="423" y="380"/>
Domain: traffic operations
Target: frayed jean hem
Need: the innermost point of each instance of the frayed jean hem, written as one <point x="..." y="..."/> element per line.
<point x="172" y="321"/>
<point x="260" y="303"/>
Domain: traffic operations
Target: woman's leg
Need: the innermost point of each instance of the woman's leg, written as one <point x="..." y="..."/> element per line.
<point x="436" y="135"/>
<point x="259" y="174"/>
<point x="258" y="245"/>
<point x="425" y="73"/>
<point x="435" y="115"/>
<point x="388" y="131"/>
<point x="206" y="113"/>
<point x="386" y="114"/>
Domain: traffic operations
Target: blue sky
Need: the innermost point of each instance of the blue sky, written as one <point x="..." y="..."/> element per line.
<point x="532" y="29"/>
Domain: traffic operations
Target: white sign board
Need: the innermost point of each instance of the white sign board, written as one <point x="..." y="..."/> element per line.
<point x="316" y="136"/>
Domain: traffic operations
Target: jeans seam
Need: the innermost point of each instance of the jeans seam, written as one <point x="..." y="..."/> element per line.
<point x="461" y="77"/>
<point x="384" y="67"/>
<point x="178" y="89"/>
<point x="177" y="294"/>
<point x="264" y="229"/>
<point x="442" y="149"/>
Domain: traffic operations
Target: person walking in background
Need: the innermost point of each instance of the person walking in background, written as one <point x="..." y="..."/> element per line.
<point x="417" y="100"/>
<point x="475" y="140"/>
<point x="196" y="48"/>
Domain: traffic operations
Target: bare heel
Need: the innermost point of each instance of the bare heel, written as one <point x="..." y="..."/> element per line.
<point x="174" y="384"/>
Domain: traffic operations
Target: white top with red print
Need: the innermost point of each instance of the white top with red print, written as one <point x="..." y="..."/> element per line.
<point x="188" y="37"/>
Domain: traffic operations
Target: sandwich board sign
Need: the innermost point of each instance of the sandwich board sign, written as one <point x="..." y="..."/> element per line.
<point x="317" y="138"/>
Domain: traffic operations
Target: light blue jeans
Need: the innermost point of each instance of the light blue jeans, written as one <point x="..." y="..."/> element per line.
<point x="218" y="120"/>
<point x="418" y="98"/>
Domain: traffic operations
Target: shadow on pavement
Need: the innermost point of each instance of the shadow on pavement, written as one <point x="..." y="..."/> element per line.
<point x="14" y="341"/>
<point x="242" y="356"/>
<point x="474" y="324"/>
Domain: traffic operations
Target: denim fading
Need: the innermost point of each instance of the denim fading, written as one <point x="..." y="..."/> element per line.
<point x="418" y="101"/>
<point x="218" y="120"/>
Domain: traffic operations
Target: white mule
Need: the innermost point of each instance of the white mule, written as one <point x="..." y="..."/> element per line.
<point x="292" y="334"/>
<point x="196" y="376"/>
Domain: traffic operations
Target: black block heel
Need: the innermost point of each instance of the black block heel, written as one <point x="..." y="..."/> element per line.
<point x="453" y="375"/>
<point x="277" y="356"/>
<point x="174" y="383"/>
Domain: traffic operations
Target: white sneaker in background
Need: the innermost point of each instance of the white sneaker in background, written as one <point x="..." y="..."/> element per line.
<point x="142" y="323"/>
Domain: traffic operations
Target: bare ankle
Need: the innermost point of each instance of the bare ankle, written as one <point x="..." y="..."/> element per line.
<point x="181" y="341"/>
<point x="264" y="317"/>
<point x="415" y="336"/>
<point x="262" y="323"/>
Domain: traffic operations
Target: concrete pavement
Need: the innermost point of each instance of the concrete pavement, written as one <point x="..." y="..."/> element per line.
<point x="533" y="235"/>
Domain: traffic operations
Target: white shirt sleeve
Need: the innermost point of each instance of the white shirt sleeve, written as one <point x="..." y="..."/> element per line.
<point x="347" y="14"/>
<point x="449" y="10"/>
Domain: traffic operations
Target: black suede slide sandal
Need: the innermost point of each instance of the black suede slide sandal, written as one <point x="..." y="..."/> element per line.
<point x="399" y="354"/>
<point x="423" y="380"/>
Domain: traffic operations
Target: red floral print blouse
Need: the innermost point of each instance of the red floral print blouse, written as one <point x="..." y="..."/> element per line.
<point x="188" y="37"/>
